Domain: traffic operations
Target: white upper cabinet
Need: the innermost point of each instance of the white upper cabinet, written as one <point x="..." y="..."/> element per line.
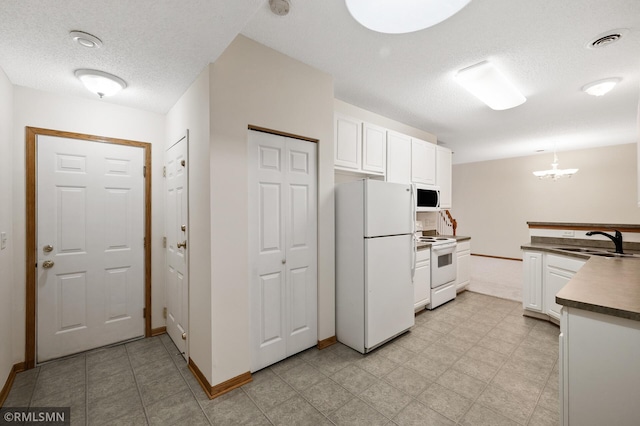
<point x="374" y="148"/>
<point x="443" y="178"/>
<point x="398" y="157"/>
<point x="423" y="162"/>
<point x="348" y="142"/>
<point x="359" y="146"/>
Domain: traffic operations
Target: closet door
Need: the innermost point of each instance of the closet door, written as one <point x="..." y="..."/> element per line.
<point x="282" y="247"/>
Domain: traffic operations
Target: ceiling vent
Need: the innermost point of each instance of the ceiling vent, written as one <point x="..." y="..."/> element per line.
<point x="606" y="39"/>
<point x="279" y="7"/>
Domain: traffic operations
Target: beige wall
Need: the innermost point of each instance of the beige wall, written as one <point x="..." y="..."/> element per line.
<point x="493" y="200"/>
<point x="42" y="109"/>
<point x="192" y="112"/>
<point x="252" y="84"/>
<point x="6" y="224"/>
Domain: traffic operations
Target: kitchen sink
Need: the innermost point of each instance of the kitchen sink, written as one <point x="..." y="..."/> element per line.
<point x="595" y="252"/>
<point x="576" y="249"/>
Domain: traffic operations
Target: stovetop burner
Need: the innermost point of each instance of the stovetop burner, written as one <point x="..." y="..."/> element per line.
<point x="436" y="240"/>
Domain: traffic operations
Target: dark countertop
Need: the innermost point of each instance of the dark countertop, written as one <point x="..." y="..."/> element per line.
<point x="564" y="225"/>
<point x="609" y="286"/>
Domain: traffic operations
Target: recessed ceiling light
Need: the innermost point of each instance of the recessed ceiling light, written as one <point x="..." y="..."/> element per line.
<point x="402" y="16"/>
<point x="600" y="87"/>
<point x="86" y="39"/>
<point x="100" y="82"/>
<point x="487" y="83"/>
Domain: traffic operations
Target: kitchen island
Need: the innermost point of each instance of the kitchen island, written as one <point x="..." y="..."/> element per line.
<point x="599" y="325"/>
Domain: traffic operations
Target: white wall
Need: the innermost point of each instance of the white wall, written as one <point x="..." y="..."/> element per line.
<point x="35" y="108"/>
<point x="192" y="112"/>
<point x="6" y="225"/>
<point x="252" y="84"/>
<point x="494" y="200"/>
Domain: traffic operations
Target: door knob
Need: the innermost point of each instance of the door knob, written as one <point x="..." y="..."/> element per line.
<point x="47" y="264"/>
<point x="182" y="244"/>
<point x="184" y="336"/>
<point x="48" y="248"/>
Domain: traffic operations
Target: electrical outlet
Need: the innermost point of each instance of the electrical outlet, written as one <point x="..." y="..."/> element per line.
<point x="568" y="234"/>
<point x="3" y="240"/>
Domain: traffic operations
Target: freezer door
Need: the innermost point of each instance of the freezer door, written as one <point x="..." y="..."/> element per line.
<point x="389" y="208"/>
<point x="388" y="288"/>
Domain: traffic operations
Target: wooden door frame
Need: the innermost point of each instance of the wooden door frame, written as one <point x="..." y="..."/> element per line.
<point x="31" y="232"/>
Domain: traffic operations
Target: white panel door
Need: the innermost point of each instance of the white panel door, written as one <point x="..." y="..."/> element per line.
<point x="388" y="208"/>
<point x="90" y="224"/>
<point x="282" y="247"/>
<point x="176" y="231"/>
<point x="389" y="289"/>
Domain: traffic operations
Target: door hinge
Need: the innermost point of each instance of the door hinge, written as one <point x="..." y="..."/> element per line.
<point x="164" y="171"/>
<point x="164" y="313"/>
<point x="144" y="312"/>
<point x="144" y="242"/>
<point x="144" y="171"/>
<point x="164" y="242"/>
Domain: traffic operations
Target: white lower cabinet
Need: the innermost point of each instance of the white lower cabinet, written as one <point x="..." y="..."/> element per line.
<point x="532" y="282"/>
<point x="558" y="270"/>
<point x="422" y="279"/>
<point x="599" y="369"/>
<point x="463" y="277"/>
<point x="544" y="275"/>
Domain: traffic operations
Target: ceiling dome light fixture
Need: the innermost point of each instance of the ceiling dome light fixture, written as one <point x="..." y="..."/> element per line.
<point x="280" y="7"/>
<point x="487" y="83"/>
<point x="601" y="87"/>
<point x="100" y="82"/>
<point x="85" y="39"/>
<point x="402" y="16"/>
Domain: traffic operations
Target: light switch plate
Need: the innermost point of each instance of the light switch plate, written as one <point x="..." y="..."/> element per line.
<point x="3" y="240"/>
<point x="569" y="234"/>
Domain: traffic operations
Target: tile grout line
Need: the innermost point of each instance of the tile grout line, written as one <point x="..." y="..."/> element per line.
<point x="135" y="379"/>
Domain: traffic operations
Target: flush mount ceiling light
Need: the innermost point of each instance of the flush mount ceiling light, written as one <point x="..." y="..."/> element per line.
<point x="100" y="82"/>
<point x="600" y="87"/>
<point x="402" y="16"/>
<point x="554" y="173"/>
<point x="280" y="7"/>
<point x="488" y="84"/>
<point x="85" y="39"/>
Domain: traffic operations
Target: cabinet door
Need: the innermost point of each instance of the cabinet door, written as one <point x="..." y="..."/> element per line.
<point x="558" y="270"/>
<point x="443" y="177"/>
<point x="423" y="162"/>
<point x="422" y="284"/>
<point x="464" y="265"/>
<point x="555" y="279"/>
<point x="374" y="148"/>
<point x="532" y="282"/>
<point x="398" y="158"/>
<point x="347" y="142"/>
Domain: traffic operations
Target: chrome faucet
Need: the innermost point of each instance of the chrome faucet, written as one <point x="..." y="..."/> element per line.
<point x="617" y="240"/>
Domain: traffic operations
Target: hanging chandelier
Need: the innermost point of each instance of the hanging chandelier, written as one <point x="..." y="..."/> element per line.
<point x="554" y="173"/>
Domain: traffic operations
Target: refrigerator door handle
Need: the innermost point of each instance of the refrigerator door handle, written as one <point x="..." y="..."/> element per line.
<point x="413" y="233"/>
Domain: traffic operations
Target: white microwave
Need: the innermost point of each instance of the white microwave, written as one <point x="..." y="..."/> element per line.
<point x="427" y="198"/>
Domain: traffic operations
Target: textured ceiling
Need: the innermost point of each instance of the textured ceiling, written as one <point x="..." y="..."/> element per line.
<point x="159" y="47"/>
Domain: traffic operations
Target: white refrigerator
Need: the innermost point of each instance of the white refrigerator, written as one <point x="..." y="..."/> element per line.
<point x="375" y="262"/>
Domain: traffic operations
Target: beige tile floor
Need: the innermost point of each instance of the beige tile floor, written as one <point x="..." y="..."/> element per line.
<point x="474" y="361"/>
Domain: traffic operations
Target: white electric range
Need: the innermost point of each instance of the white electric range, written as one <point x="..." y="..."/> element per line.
<point x="443" y="269"/>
